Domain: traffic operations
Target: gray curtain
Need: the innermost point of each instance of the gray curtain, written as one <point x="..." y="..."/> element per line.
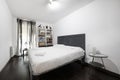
<point x="32" y="34"/>
<point x="26" y="35"/>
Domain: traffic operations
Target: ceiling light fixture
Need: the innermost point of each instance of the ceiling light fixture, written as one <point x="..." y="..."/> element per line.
<point x="53" y="4"/>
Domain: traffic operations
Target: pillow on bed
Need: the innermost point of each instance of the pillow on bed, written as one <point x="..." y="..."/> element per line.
<point x="40" y="54"/>
<point x="59" y="45"/>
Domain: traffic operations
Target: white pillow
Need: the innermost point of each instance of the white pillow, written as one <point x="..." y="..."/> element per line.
<point x="59" y="45"/>
<point x="40" y="53"/>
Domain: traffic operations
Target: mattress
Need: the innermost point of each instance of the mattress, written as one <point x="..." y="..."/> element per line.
<point x="47" y="58"/>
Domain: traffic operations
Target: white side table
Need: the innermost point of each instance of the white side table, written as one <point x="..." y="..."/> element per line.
<point x="98" y="56"/>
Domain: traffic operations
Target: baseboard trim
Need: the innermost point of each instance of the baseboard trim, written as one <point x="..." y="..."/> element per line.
<point x="104" y="70"/>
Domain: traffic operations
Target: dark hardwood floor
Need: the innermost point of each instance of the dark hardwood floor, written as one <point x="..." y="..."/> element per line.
<point x="17" y="69"/>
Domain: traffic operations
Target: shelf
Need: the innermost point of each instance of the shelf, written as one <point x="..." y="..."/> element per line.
<point x="41" y="35"/>
<point x="49" y="30"/>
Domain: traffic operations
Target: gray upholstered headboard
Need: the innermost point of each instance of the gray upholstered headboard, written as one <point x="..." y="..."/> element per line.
<point x="73" y="40"/>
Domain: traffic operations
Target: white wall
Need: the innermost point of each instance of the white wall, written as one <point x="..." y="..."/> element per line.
<point x="100" y="21"/>
<point x="5" y="33"/>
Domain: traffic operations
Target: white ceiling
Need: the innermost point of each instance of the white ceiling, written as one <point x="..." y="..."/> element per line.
<point x="40" y="11"/>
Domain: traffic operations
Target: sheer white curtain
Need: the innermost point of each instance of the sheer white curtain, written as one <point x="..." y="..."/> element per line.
<point x="26" y="35"/>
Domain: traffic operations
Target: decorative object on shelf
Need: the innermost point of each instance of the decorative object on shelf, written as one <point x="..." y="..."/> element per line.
<point x="94" y="50"/>
<point x="44" y="36"/>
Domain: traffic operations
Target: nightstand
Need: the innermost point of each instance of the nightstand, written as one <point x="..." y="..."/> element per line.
<point x="101" y="56"/>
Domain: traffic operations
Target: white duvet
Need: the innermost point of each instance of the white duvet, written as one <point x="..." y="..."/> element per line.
<point x="48" y="58"/>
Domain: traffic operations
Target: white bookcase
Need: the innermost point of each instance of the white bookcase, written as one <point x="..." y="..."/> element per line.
<point x="45" y="36"/>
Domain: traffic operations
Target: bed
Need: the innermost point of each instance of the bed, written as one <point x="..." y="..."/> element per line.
<point x="68" y="49"/>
